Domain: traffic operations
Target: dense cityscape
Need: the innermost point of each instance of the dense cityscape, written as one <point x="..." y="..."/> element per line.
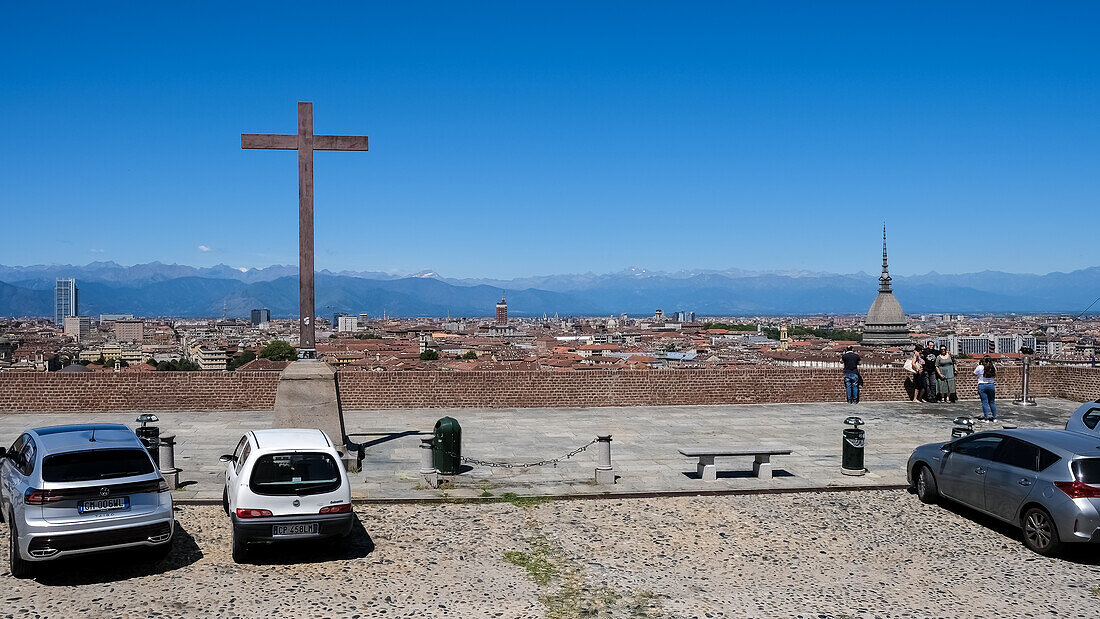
<point x="69" y="341"/>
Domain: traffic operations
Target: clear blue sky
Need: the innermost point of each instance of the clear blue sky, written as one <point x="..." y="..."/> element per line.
<point x="513" y="139"/>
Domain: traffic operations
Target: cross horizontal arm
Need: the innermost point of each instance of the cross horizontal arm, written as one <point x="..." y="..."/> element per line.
<point x="339" y="142"/>
<point x="269" y="141"/>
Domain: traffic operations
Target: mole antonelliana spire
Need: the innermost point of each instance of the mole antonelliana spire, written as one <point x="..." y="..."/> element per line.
<point x="885" y="324"/>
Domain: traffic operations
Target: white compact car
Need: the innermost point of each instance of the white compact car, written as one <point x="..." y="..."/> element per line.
<point x="286" y="485"/>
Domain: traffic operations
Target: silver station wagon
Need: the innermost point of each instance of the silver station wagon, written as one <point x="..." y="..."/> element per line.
<point x="1047" y="482"/>
<point x="68" y="490"/>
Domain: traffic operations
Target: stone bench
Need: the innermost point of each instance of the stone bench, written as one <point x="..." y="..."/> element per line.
<point x="761" y="467"/>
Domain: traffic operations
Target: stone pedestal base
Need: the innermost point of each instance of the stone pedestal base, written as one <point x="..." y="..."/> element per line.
<point x="605" y="476"/>
<point x="707" y="469"/>
<point x="306" y="398"/>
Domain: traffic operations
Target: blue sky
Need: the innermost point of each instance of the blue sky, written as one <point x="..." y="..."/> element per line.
<point x="512" y="139"/>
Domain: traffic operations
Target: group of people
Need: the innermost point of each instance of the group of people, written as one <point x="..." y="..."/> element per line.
<point x="931" y="378"/>
<point x="931" y="375"/>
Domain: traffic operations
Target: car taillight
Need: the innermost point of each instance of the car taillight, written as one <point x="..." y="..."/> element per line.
<point x="162" y="485"/>
<point x="1078" y="490"/>
<point x="343" y="508"/>
<point x="34" y="496"/>
<point x="252" y="513"/>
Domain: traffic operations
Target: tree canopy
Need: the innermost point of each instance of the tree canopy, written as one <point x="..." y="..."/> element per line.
<point x="278" y="350"/>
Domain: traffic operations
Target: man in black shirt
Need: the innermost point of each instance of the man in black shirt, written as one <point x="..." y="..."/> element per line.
<point x="851" y="375"/>
<point x="930" y="372"/>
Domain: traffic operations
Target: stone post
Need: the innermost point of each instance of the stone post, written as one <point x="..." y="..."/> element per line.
<point x="428" y="474"/>
<point x="604" y="473"/>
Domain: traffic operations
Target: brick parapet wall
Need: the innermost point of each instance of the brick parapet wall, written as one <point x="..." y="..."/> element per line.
<point x="359" y="389"/>
<point x="146" y="391"/>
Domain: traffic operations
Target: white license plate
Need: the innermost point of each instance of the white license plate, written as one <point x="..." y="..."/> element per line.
<point x="309" y="528"/>
<point x="103" y="505"/>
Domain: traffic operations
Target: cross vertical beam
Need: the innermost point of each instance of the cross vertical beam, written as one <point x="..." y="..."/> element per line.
<point x="305" y="143"/>
<point x="307" y="314"/>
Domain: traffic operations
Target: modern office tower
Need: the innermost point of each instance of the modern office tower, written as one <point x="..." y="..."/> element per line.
<point x="347" y="324"/>
<point x="260" y="316"/>
<point x="502" y="311"/>
<point x="64" y="300"/>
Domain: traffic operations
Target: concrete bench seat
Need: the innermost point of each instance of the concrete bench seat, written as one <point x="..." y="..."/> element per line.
<point x="761" y="466"/>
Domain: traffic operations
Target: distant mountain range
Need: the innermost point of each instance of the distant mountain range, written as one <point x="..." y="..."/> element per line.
<point x="156" y="289"/>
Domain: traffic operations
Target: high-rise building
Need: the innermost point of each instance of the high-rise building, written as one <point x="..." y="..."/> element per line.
<point x="78" y="326"/>
<point x="346" y="324"/>
<point x="260" y="316"/>
<point x="885" y="324"/>
<point x="502" y="311"/>
<point x="64" y="300"/>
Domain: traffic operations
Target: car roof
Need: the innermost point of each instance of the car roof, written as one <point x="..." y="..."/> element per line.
<point x="78" y="437"/>
<point x="1059" y="440"/>
<point x="291" y="439"/>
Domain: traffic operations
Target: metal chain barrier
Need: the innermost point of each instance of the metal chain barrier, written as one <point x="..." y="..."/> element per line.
<point x="517" y="465"/>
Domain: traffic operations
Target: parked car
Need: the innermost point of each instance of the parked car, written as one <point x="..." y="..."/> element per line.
<point x="67" y="490"/>
<point x="1047" y="482"/>
<point x="1085" y="418"/>
<point x="286" y="485"/>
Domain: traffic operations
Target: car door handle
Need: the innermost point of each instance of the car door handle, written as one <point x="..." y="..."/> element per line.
<point x="980" y="470"/>
<point x="1024" y="482"/>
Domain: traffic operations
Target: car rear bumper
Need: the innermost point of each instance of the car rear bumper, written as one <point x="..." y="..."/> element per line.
<point x="1077" y="520"/>
<point x="261" y="529"/>
<point x="44" y="544"/>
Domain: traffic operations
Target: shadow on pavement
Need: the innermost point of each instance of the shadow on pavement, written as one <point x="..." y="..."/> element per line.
<point x="738" y="474"/>
<point x="385" y="436"/>
<point x="1076" y="553"/>
<point x="359" y="545"/>
<point x="120" y="564"/>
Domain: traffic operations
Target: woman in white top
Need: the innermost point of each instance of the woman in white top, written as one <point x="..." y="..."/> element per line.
<point x="986" y="391"/>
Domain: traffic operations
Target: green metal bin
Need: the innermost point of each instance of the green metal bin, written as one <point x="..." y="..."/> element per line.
<point x="447" y="452"/>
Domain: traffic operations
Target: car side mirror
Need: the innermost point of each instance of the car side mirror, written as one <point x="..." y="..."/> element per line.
<point x="946" y="449"/>
<point x="228" y="458"/>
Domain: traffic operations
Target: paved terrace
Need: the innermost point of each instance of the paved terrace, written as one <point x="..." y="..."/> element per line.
<point x="644" y="444"/>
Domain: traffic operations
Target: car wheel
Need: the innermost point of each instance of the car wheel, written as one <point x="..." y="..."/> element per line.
<point x="927" y="491"/>
<point x="20" y="567"/>
<point x="240" y="548"/>
<point x="225" y="499"/>
<point x="1040" y="533"/>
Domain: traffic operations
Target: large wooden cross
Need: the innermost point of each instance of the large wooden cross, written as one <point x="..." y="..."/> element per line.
<point x="305" y="143"/>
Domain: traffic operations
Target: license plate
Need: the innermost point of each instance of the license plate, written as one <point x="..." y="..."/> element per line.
<point x="103" y="505"/>
<point x="309" y="528"/>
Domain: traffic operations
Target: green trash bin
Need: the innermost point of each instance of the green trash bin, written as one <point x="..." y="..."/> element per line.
<point x="851" y="460"/>
<point x="447" y="447"/>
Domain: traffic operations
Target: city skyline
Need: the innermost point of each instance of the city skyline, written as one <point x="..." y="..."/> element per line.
<point x="727" y="137"/>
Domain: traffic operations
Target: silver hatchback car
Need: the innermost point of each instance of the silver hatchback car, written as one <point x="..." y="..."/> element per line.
<point x="1047" y="482"/>
<point x="67" y="490"/>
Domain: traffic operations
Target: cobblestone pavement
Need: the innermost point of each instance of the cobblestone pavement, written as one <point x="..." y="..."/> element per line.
<point x="644" y="444"/>
<point x="823" y="555"/>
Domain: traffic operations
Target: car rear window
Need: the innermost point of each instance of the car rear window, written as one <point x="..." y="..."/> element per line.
<point x="294" y="474"/>
<point x="96" y="464"/>
<point x="1087" y="470"/>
